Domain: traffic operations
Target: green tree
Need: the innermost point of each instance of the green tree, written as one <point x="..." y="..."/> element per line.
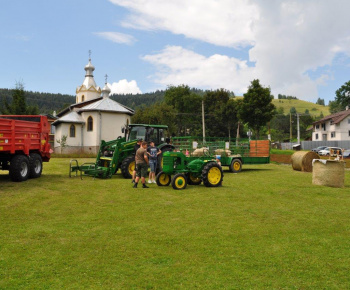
<point x="187" y="105"/>
<point x="342" y="97"/>
<point x="256" y="108"/>
<point x="220" y="113"/>
<point x="334" y="107"/>
<point x="320" y="102"/>
<point x="157" y="114"/>
<point x="19" y="106"/>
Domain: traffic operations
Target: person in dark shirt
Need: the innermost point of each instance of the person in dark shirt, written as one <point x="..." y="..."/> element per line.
<point x="153" y="153"/>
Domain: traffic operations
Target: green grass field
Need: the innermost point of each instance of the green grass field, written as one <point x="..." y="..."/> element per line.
<point x="301" y="106"/>
<point x="266" y="227"/>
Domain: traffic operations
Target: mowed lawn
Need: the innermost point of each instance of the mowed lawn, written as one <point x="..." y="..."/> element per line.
<point x="266" y="227"/>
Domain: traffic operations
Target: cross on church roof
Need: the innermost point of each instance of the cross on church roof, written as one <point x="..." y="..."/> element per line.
<point x="106" y="76"/>
<point x="89" y="54"/>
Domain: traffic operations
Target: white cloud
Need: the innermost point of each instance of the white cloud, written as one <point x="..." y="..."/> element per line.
<point x="225" y="22"/>
<point x="117" y="37"/>
<point x="177" y="65"/>
<point x="124" y="87"/>
<point x="286" y="41"/>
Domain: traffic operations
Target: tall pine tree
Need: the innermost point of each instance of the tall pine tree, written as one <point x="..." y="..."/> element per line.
<point x="18" y="106"/>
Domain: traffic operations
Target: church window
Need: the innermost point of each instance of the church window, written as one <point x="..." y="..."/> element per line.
<point x="72" y="131"/>
<point x="82" y="98"/>
<point x="90" y="124"/>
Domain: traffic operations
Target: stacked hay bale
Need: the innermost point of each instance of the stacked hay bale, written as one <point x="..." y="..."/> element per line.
<point x="302" y="160"/>
<point x="200" y="152"/>
<point x="328" y="173"/>
<point x="223" y="152"/>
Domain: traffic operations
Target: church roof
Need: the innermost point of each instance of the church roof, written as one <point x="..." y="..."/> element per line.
<point x="77" y="105"/>
<point x="107" y="105"/>
<point x="71" y="117"/>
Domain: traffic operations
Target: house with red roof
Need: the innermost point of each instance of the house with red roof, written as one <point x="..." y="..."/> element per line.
<point x="334" y="127"/>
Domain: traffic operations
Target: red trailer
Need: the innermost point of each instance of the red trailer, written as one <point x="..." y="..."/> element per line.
<point x="24" y="145"/>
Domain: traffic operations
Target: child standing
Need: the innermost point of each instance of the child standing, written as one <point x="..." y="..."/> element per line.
<point x="153" y="153"/>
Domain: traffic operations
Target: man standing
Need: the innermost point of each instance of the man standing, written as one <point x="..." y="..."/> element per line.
<point x="141" y="160"/>
<point x="136" y="147"/>
<point x="153" y="153"/>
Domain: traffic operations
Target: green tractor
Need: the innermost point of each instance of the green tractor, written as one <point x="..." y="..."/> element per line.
<point x="120" y="153"/>
<point x="188" y="171"/>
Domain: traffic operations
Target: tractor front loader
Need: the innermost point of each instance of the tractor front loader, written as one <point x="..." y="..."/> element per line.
<point x="120" y="153"/>
<point x="111" y="156"/>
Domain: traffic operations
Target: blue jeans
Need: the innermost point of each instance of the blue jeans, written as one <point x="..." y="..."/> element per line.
<point x="153" y="165"/>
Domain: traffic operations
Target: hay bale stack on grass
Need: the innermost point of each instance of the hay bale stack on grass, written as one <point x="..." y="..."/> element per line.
<point x="328" y="173"/>
<point x="302" y="160"/>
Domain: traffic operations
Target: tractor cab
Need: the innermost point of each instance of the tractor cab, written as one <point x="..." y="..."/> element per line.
<point x="156" y="133"/>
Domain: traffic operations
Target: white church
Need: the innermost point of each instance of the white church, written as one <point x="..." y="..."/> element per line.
<point x="93" y="117"/>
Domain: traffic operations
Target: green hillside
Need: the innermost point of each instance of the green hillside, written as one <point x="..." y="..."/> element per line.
<point x="301" y="106"/>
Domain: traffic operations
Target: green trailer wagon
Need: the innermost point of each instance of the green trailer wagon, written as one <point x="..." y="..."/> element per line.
<point x="231" y="153"/>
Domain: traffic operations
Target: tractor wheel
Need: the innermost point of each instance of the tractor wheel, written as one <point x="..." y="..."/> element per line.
<point x="212" y="175"/>
<point x="163" y="179"/>
<point x="128" y="166"/>
<point x="179" y="181"/>
<point x="236" y="166"/>
<point x="19" y="168"/>
<point x="35" y="165"/>
<point x="193" y="180"/>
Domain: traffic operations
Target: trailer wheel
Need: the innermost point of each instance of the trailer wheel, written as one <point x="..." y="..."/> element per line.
<point x="236" y="166"/>
<point x="35" y="165"/>
<point x="19" y="168"/>
<point x="212" y="175"/>
<point x="179" y="181"/>
<point x="128" y="166"/>
<point x="163" y="179"/>
<point x="193" y="180"/>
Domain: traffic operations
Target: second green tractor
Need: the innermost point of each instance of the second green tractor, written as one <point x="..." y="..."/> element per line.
<point x="186" y="171"/>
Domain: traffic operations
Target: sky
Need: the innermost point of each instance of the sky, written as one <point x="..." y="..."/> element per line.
<point x="299" y="48"/>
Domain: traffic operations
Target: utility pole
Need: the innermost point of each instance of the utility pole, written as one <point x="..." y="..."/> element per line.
<point x="298" y="127"/>
<point x="203" y="122"/>
<point x="290" y="127"/>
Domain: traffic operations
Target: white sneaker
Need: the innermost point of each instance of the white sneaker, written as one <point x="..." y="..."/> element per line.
<point x="149" y="181"/>
<point x="154" y="181"/>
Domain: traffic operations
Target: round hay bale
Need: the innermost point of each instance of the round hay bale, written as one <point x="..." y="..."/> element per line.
<point x="328" y="173"/>
<point x="302" y="160"/>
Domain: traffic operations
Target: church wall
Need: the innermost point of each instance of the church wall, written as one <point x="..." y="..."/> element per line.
<point x="91" y="138"/>
<point x="88" y="95"/>
<point x="73" y="143"/>
<point x="112" y="124"/>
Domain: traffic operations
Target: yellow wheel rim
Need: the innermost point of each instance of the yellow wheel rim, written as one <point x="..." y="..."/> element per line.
<point x="131" y="167"/>
<point x="236" y="166"/>
<point x="164" y="179"/>
<point x="180" y="182"/>
<point x="214" y="175"/>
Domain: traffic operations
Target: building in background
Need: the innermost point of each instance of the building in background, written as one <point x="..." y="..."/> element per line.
<point x="94" y="117"/>
<point x="334" y="127"/>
